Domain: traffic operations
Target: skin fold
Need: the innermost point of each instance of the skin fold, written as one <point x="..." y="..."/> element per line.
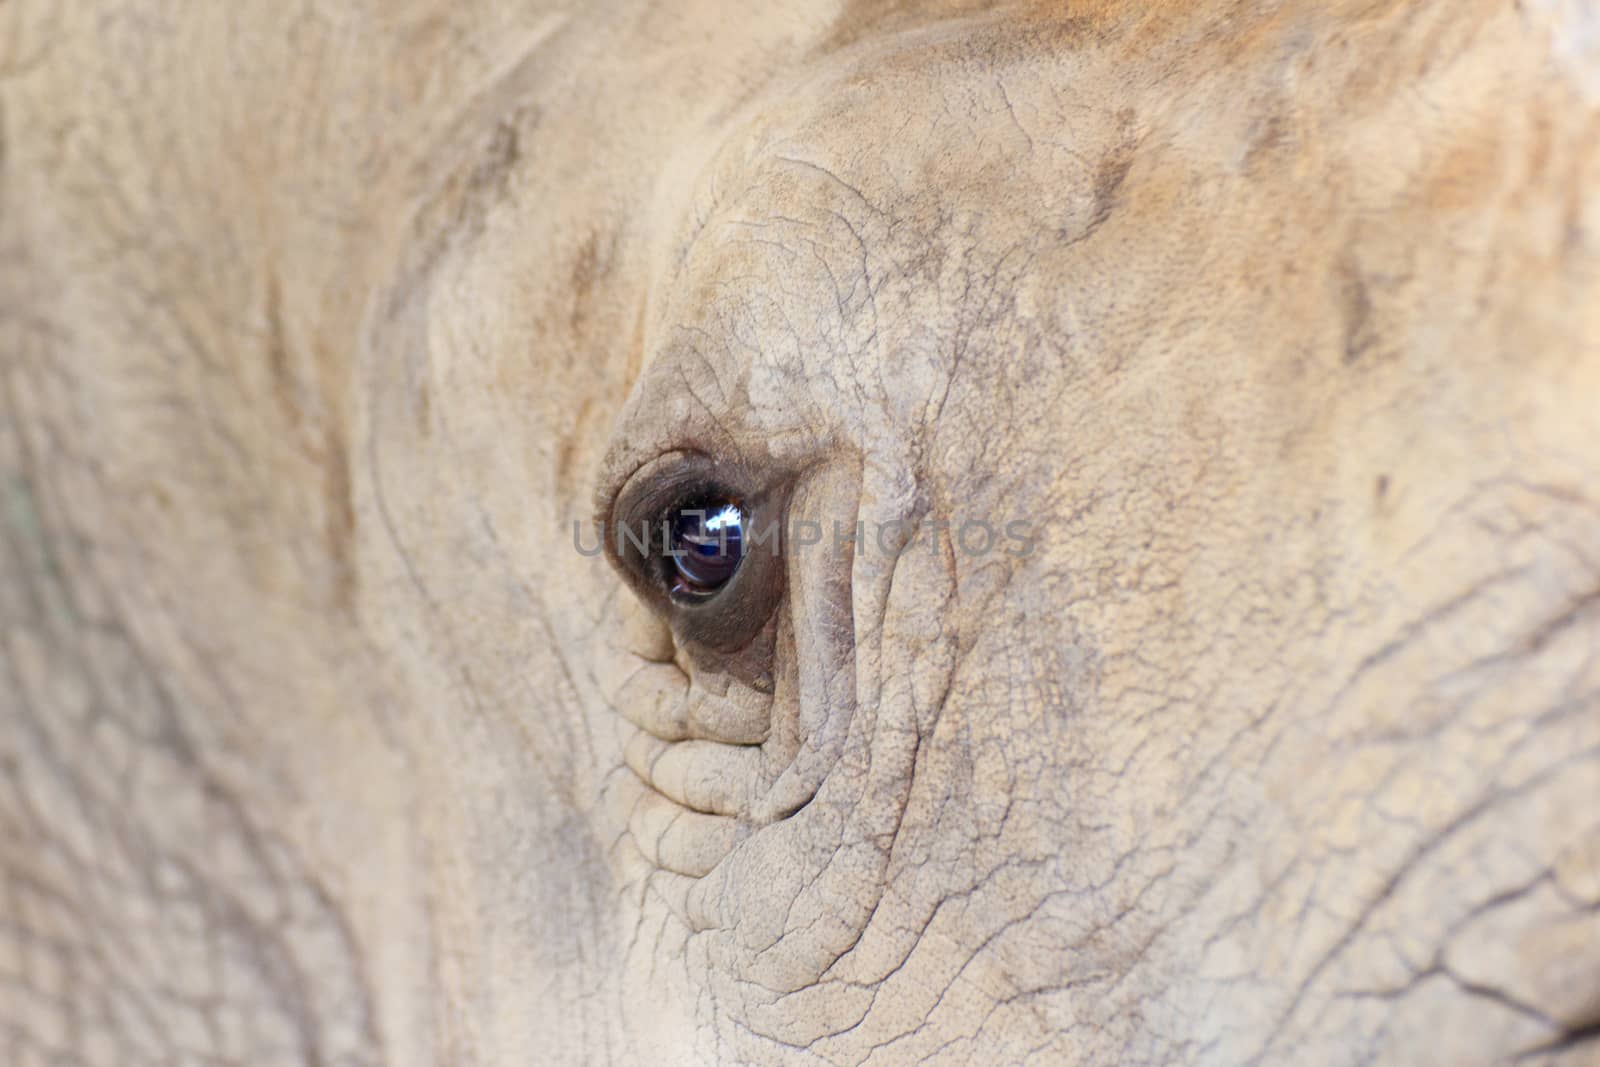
<point x="1277" y="324"/>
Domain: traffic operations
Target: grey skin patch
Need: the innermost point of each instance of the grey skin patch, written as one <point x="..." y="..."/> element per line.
<point x="1356" y="297"/>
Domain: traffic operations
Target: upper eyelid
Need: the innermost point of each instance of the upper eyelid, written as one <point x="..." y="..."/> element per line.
<point x="636" y="500"/>
<point x="686" y="471"/>
<point x="615" y="485"/>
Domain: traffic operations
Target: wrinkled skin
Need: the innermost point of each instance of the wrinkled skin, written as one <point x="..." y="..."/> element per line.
<point x="319" y="743"/>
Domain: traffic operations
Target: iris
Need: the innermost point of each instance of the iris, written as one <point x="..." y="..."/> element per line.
<point x="707" y="548"/>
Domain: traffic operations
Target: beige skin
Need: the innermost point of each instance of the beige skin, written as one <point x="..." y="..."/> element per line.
<point x="319" y="743"/>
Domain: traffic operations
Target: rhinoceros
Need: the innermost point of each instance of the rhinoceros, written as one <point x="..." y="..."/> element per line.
<point x="849" y="532"/>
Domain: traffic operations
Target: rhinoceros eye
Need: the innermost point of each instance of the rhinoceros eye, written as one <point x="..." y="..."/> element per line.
<point x="697" y="537"/>
<point x="704" y="548"/>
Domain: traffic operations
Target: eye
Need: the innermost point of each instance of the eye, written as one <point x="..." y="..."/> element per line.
<point x="699" y="539"/>
<point x="704" y="548"/>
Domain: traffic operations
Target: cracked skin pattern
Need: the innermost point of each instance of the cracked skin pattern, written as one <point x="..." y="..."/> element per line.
<point x="321" y="324"/>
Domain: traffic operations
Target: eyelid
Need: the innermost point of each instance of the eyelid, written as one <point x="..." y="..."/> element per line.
<point x="642" y="478"/>
<point x="664" y="482"/>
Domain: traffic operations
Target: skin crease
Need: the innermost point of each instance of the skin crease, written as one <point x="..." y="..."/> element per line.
<point x="322" y="325"/>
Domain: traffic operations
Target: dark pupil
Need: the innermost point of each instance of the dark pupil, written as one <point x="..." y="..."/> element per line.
<point x="708" y="543"/>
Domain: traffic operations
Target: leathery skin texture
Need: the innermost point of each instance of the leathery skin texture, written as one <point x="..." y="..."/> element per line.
<point x="337" y="342"/>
